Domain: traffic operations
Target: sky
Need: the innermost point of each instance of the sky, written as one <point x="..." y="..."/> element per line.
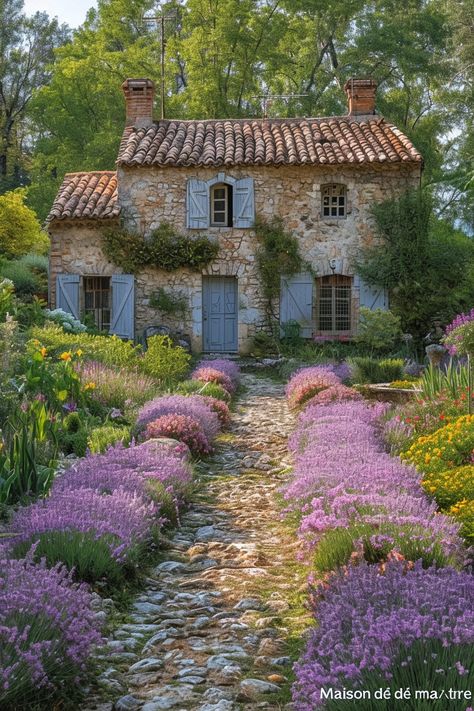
<point x="72" y="12"/>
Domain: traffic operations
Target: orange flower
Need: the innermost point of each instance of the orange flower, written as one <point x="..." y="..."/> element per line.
<point x="89" y="386"/>
<point x="43" y="351"/>
<point x="66" y="356"/>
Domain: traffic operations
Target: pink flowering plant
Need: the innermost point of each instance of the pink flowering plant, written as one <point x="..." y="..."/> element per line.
<point x="183" y="428"/>
<point x="308" y="382"/>
<point x="206" y="374"/>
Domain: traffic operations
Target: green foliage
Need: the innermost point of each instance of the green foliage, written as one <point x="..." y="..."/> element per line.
<point x="73" y="436"/>
<point x="101" y="438"/>
<point x="264" y="344"/>
<point x="454" y="379"/>
<point x="25" y="281"/>
<point x="90" y="556"/>
<point x="371" y="370"/>
<point x="164" y="361"/>
<point x="209" y="389"/>
<point x="7" y="291"/>
<point x="379" y="330"/>
<point x="110" y="350"/>
<point x="21" y="474"/>
<point x="169" y="302"/>
<point x="20" y="230"/>
<point x="427" y="267"/>
<point x="163" y="249"/>
<point x="336" y="546"/>
<point x="278" y="255"/>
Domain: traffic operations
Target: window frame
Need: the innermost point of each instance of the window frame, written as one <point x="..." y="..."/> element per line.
<point x="228" y="216"/>
<point x="334" y="301"/>
<point x="338" y="192"/>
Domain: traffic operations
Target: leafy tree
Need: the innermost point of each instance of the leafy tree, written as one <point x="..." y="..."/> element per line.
<point x="26" y="51"/>
<point x="20" y="230"/>
<point x="426" y="265"/>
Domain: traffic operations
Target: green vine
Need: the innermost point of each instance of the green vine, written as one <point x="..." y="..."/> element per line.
<point x="171" y="303"/>
<point x="278" y="255"/>
<point x="163" y="249"/>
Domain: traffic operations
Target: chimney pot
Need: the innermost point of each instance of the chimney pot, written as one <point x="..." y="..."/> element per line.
<point x="361" y="96"/>
<point x="139" y="95"/>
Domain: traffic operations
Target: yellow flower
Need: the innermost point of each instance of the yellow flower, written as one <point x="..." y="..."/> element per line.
<point x="43" y="351"/>
<point x="89" y="386"/>
<point x="66" y="356"/>
<point x="79" y="352"/>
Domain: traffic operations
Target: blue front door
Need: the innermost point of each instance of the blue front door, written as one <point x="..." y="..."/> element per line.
<point x="220" y="308"/>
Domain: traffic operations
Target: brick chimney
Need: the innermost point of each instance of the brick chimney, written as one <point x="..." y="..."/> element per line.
<point x="361" y="96"/>
<point x="139" y="95"/>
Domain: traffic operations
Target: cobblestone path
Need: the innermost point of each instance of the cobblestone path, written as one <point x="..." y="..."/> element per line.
<point x="208" y="632"/>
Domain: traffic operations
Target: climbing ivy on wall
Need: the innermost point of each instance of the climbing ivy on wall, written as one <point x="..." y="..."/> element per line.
<point x="278" y="255"/>
<point x="163" y="249"/>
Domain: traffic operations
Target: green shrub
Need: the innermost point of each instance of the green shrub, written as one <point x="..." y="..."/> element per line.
<point x="336" y="546"/>
<point x="371" y="370"/>
<point x="379" y="330"/>
<point x="264" y="344"/>
<point x="163" y="360"/>
<point x="36" y="262"/>
<point x="7" y="290"/>
<point x="26" y="283"/>
<point x="91" y="557"/>
<point x="190" y="387"/>
<point x="110" y="350"/>
<point x="73" y="437"/>
<point x="20" y="229"/>
<point x="101" y="438"/>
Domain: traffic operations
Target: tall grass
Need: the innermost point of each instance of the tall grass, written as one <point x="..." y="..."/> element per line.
<point x="454" y="379"/>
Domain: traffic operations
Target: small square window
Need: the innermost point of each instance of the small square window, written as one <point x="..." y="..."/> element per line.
<point x="333" y="202"/>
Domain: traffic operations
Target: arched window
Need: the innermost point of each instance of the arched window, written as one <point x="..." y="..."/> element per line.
<point x="221" y="205"/>
<point x="334" y="304"/>
<point x="334" y="200"/>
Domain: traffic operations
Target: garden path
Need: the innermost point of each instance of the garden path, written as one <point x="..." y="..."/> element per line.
<point x="210" y="630"/>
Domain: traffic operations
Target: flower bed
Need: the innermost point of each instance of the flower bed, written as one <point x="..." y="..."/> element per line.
<point x="373" y="538"/>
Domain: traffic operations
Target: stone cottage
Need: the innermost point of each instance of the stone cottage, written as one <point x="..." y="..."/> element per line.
<point x="213" y="178"/>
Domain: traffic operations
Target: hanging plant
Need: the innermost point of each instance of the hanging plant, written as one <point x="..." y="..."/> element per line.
<point x="163" y="249"/>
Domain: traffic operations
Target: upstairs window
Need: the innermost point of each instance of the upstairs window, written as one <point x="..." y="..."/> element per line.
<point x="334" y="303"/>
<point x="334" y="200"/>
<point x="221" y="205"/>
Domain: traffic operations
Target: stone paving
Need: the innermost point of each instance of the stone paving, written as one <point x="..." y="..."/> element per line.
<point x="208" y="632"/>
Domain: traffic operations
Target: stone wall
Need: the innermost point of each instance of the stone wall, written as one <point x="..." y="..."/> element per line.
<point x="150" y="195"/>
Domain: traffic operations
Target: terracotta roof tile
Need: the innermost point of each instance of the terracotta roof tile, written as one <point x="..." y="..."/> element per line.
<point x="87" y="196"/>
<point x="334" y="140"/>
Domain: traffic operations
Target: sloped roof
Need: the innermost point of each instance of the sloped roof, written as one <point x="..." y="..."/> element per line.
<point x="336" y="140"/>
<point x="86" y="195"/>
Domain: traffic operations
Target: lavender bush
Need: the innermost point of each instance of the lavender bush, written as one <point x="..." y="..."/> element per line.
<point x="228" y="367"/>
<point x="193" y="406"/>
<point x="370" y="624"/>
<point x="117" y="387"/>
<point x="47" y="631"/>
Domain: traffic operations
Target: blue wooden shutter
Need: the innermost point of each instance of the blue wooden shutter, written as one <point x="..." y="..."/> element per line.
<point x="67" y="293"/>
<point x="197" y="204"/>
<point x="372" y="297"/>
<point x="244" y="203"/>
<point x="296" y="302"/>
<point x="123" y="306"/>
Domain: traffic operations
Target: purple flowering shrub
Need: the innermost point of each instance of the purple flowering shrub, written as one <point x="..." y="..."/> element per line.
<point x="212" y="375"/>
<point x="374" y="624"/>
<point x="308" y="382"/>
<point x="47" y="631"/>
<point x="180" y="427"/>
<point x="343" y="477"/>
<point x="227" y="367"/>
<point x="194" y="406"/>
<point x="333" y="393"/>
